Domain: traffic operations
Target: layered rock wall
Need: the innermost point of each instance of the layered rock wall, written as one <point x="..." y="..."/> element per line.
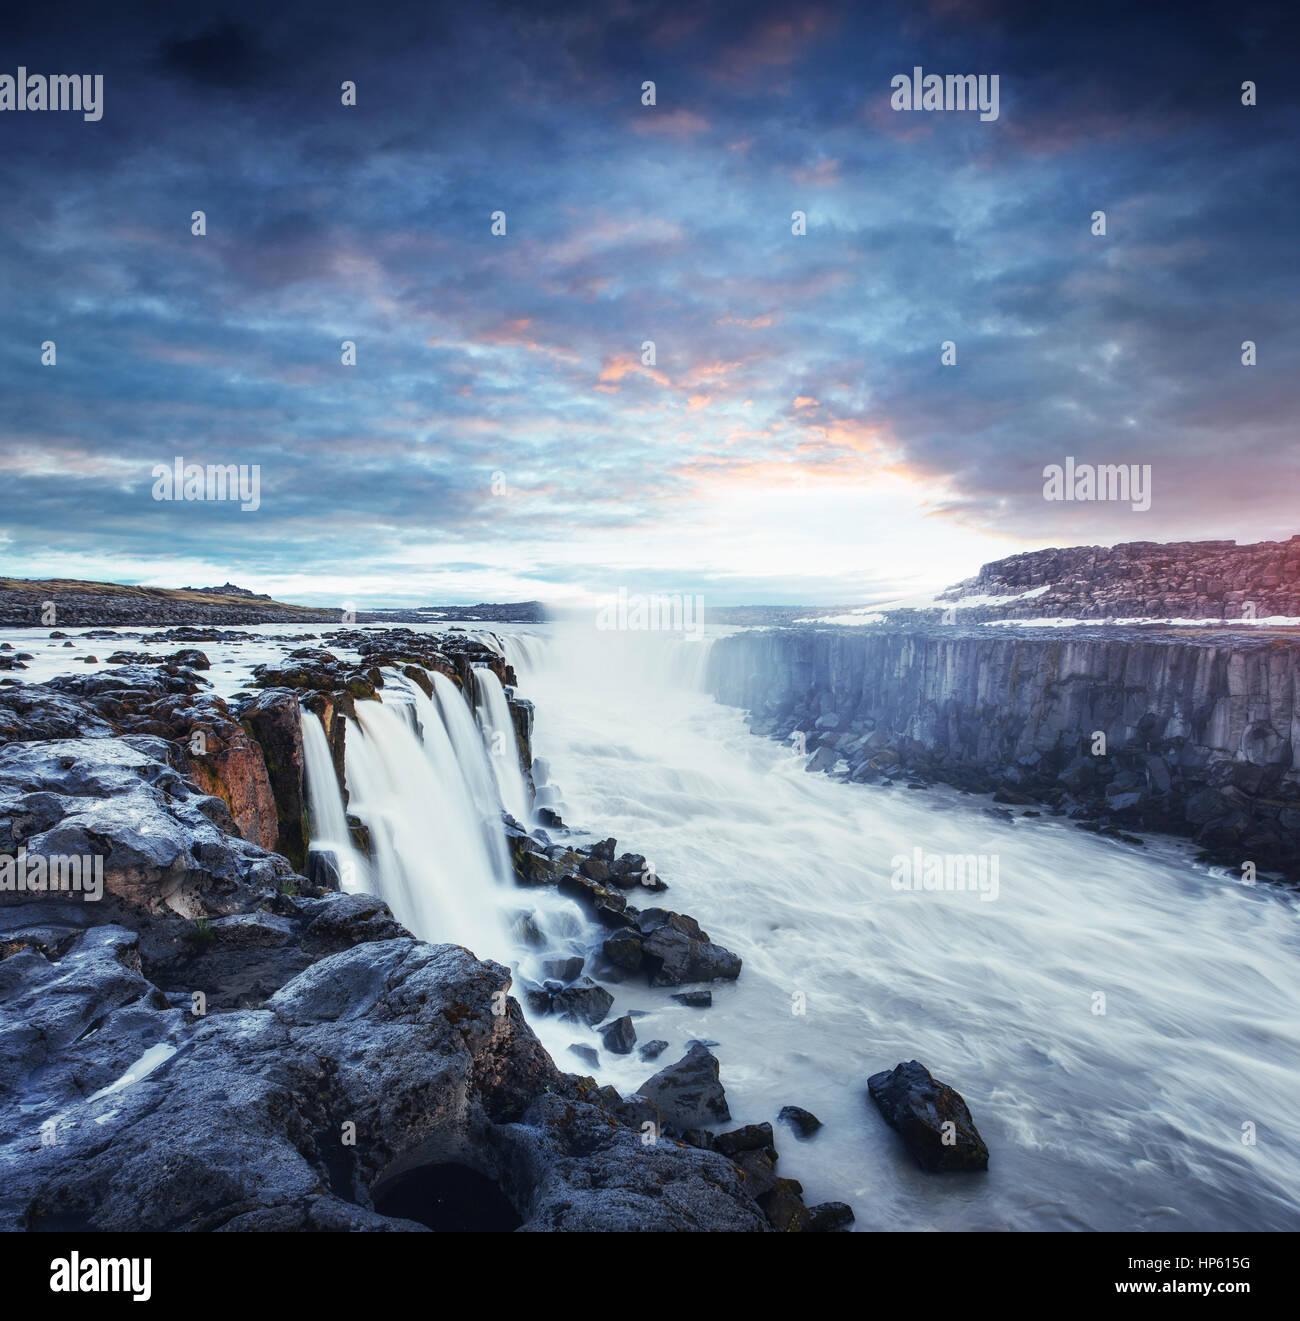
<point x="1201" y="734"/>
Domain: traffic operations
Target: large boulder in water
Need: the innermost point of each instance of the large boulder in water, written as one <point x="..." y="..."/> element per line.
<point x="931" y="1118"/>
<point x="689" y="1094"/>
<point x="675" y="950"/>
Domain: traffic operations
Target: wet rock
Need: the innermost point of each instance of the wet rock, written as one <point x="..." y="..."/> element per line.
<point x="595" y="869"/>
<point x="695" y="999"/>
<point x="931" y="1118"/>
<point x="584" y="1002"/>
<point x="759" y="1168"/>
<point x="783" y="1205"/>
<point x="828" y="1217"/>
<point x="398" y="1037"/>
<point x="676" y="950"/>
<point x="752" y="1137"/>
<point x="804" y="1122"/>
<point x="258" y="928"/>
<point x="606" y="905"/>
<point x="623" y="950"/>
<point x="563" y="970"/>
<point x="587" y="1054"/>
<point x="33" y="712"/>
<point x="651" y="1050"/>
<point x="619" y="1036"/>
<point x="164" y="845"/>
<point x="274" y="720"/>
<point x="689" y="1093"/>
<point x="323" y="869"/>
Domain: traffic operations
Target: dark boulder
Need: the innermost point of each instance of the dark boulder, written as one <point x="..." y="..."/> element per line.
<point x="677" y="951"/>
<point x="828" y="1217"/>
<point x="804" y="1122"/>
<point x="583" y="1002"/>
<point x="689" y="1093"/>
<point x="752" y="1137"/>
<point x="619" y="1036"/>
<point x="931" y="1118"/>
<point x="623" y="950"/>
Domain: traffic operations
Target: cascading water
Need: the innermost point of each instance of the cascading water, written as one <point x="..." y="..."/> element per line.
<point x="499" y="732"/>
<point x="435" y="865"/>
<point x="326" y="815"/>
<point x="525" y="652"/>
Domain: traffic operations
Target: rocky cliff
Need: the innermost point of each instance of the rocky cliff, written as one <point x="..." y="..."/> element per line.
<point x="1141" y="579"/>
<point x="1119" y="730"/>
<point x="206" y="1039"/>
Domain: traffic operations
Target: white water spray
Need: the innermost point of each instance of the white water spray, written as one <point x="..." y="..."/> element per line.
<point x="326" y="815"/>
<point x="434" y="863"/>
<point x="499" y="733"/>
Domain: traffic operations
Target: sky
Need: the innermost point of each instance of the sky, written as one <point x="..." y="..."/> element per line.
<point x="797" y="439"/>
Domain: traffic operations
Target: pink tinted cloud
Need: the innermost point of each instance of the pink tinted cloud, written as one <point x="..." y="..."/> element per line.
<point x="680" y="123"/>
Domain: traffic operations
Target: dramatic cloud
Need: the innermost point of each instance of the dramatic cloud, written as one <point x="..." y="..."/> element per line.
<point x="507" y="429"/>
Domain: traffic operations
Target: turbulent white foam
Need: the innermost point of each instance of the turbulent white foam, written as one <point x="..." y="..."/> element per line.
<point x="1129" y="1120"/>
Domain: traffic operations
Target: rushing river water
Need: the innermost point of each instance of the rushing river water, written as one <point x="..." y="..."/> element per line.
<point x="1135" y="1118"/>
<point x="1131" y="1119"/>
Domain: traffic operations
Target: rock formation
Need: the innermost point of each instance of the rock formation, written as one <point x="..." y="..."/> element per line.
<point x="1196" y="735"/>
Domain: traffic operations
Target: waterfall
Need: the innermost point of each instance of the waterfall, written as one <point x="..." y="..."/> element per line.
<point x="524" y="651"/>
<point x="688" y="663"/>
<point x="435" y="863"/>
<point x="328" y="820"/>
<point x="499" y="733"/>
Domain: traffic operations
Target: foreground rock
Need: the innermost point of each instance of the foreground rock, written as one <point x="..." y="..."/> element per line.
<point x="379" y="1077"/>
<point x="931" y="1118"/>
<point x="249" y="755"/>
<point x="215" y="1045"/>
<point x="688" y="1094"/>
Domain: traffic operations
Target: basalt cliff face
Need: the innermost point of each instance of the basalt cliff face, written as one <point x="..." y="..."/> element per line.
<point x="1141" y="579"/>
<point x="1199" y="735"/>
